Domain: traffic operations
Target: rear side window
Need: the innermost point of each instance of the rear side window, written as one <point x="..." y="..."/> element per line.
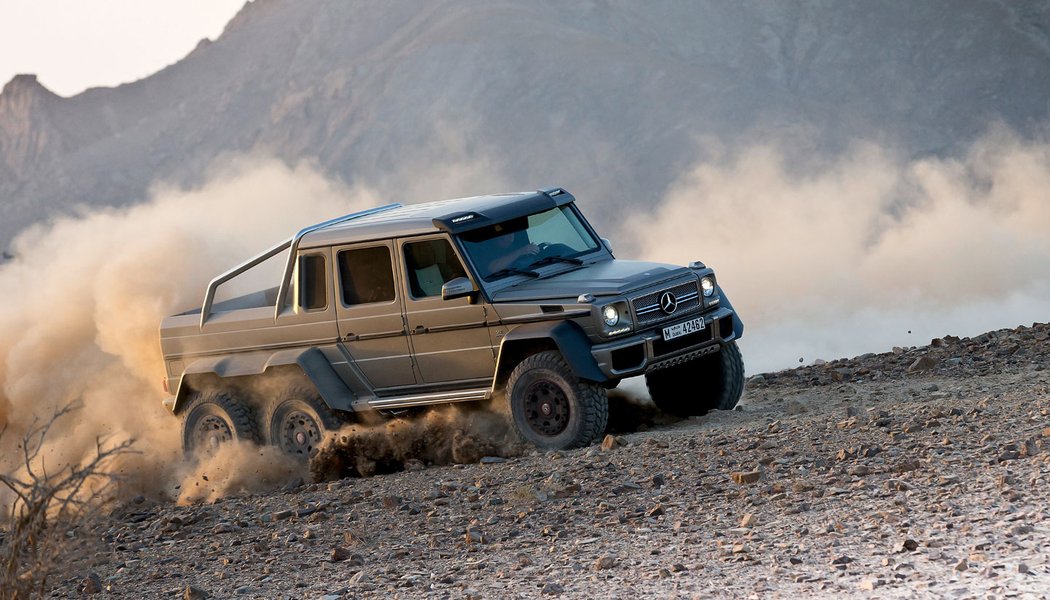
<point x="313" y="283"/>
<point x="366" y="276"/>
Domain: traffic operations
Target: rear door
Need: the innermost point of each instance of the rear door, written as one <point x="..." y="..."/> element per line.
<point x="312" y="321"/>
<point x="369" y="309"/>
<point x="450" y="338"/>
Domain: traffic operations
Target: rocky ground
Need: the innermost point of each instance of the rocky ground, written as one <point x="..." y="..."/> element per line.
<point x="923" y="472"/>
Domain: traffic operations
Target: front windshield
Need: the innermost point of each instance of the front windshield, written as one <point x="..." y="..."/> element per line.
<point x="518" y="245"/>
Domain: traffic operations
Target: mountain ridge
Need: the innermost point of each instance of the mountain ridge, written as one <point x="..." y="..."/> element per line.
<point x="605" y="97"/>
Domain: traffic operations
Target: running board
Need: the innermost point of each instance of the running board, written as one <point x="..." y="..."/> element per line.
<point x="424" y="399"/>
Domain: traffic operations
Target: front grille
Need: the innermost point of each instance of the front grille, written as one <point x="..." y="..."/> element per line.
<point x="647" y="308"/>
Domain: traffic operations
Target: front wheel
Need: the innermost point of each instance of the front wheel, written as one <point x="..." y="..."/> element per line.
<point x="712" y="382"/>
<point x="214" y="419"/>
<point x="298" y="422"/>
<point x="551" y="407"/>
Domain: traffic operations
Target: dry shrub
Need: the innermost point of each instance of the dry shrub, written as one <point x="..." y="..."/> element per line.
<point x="42" y="506"/>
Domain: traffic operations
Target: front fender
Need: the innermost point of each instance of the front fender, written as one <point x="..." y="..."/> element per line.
<point x="567" y="337"/>
<point x="738" y="325"/>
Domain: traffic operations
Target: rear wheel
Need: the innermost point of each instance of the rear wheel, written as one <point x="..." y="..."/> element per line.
<point x="217" y="418"/>
<point x="298" y="422"/>
<point x="712" y="382"/>
<point x="551" y="407"/>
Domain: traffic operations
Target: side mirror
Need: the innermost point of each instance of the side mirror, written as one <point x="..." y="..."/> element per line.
<point x="608" y="244"/>
<point x="457" y="288"/>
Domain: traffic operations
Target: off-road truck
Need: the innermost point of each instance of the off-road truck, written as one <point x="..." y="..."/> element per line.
<point x="510" y="296"/>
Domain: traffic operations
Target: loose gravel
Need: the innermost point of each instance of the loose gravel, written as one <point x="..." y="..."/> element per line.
<point x="922" y="472"/>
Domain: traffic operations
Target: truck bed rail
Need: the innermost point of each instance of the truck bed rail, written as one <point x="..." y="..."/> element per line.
<point x="292" y="245"/>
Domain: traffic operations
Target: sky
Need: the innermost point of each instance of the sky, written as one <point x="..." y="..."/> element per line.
<point x="72" y="45"/>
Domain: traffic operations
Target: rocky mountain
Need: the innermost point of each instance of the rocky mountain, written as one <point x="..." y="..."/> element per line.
<point x="612" y="98"/>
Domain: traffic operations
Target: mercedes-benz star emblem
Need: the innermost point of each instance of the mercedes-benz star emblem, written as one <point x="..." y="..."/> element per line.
<point x="668" y="303"/>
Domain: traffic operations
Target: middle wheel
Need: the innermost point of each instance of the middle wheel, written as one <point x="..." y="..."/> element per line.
<point x="298" y="422"/>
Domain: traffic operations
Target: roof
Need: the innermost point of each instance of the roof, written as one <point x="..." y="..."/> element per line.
<point x="456" y="215"/>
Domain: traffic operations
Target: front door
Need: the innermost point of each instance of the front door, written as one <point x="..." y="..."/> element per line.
<point x="450" y="338"/>
<point x="371" y="325"/>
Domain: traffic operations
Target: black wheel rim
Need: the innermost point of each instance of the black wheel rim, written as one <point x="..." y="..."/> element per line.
<point x="210" y="432"/>
<point x="546" y="408"/>
<point x="296" y="431"/>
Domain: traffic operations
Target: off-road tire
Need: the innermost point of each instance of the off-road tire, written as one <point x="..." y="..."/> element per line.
<point x="712" y="382"/>
<point x="577" y="411"/>
<point x="214" y="418"/>
<point x="298" y="421"/>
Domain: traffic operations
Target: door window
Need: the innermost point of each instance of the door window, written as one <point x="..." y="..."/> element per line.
<point x="431" y="264"/>
<point x="365" y="275"/>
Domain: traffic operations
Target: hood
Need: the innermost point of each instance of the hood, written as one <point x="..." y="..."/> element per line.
<point x="605" y="278"/>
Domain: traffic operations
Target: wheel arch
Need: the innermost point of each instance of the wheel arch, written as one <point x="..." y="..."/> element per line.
<point x="738" y="324"/>
<point x="564" y="336"/>
<point x="242" y="371"/>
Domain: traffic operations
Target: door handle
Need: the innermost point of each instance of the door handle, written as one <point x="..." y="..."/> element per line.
<point x="420" y="329"/>
<point x="350" y="337"/>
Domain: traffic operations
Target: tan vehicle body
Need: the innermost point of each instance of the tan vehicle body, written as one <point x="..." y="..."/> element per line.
<point x="390" y="309"/>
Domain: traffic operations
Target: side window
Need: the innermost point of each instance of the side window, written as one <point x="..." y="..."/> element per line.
<point x="365" y="275"/>
<point x="431" y="264"/>
<point x="313" y="283"/>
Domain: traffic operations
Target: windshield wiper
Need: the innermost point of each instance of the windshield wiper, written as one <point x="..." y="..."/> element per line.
<point x="551" y="259"/>
<point x="510" y="271"/>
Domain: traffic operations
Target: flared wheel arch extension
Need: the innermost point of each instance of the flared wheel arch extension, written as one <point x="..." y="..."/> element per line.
<point x="563" y="337"/>
<point x="306" y="366"/>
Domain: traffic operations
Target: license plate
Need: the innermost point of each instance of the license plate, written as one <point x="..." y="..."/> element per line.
<point x="685" y="328"/>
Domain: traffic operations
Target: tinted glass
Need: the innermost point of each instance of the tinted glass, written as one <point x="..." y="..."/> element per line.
<point x="431" y="264"/>
<point x="365" y="275"/>
<point x="313" y="288"/>
<point x="521" y="242"/>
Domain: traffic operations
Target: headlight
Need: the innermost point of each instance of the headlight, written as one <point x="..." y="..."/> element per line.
<point x="708" y="285"/>
<point x="610" y="315"/>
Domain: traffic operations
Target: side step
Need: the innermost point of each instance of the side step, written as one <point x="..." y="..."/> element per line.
<point x="424" y="399"/>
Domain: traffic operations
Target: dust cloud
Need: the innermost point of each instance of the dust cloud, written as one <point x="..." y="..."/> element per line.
<point x="234" y="469"/>
<point x="833" y="258"/>
<point x="84" y="298"/>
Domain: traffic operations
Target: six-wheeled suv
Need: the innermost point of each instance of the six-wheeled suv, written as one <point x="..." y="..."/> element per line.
<point x="507" y="296"/>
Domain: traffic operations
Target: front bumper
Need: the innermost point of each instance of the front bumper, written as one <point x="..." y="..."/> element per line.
<point x="647" y="351"/>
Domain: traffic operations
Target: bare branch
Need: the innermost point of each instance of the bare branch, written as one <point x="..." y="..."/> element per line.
<point x="47" y="504"/>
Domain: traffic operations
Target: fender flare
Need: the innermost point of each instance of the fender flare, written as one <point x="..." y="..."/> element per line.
<point x="566" y="336"/>
<point x="738" y="325"/>
<point x="311" y="361"/>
